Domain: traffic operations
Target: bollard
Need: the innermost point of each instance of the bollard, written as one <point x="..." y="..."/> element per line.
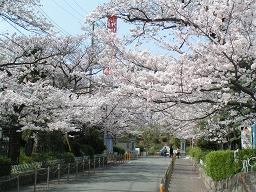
<point x="76" y="168"/>
<point x="35" y="180"/>
<point x="68" y="171"/>
<point x="89" y="167"/>
<point x="162" y="189"/>
<point x="48" y="177"/>
<point x="83" y="166"/>
<point x="94" y="161"/>
<point x="18" y="183"/>
<point x="58" y="173"/>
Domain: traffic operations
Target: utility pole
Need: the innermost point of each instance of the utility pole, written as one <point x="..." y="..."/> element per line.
<point x="92" y="58"/>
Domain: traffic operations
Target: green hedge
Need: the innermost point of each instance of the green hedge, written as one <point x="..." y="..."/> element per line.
<point x="67" y="157"/>
<point x="195" y="153"/>
<point x="243" y="155"/>
<point x="220" y="164"/>
<point x="118" y="150"/>
<point x="5" y="166"/>
<point x="87" y="150"/>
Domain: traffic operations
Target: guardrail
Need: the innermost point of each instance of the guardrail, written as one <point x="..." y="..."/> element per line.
<point x="164" y="183"/>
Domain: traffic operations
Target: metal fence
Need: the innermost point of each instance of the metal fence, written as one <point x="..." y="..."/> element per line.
<point x="58" y="171"/>
<point x="249" y="164"/>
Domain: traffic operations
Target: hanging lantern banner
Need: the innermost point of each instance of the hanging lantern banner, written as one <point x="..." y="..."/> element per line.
<point x="112" y="23"/>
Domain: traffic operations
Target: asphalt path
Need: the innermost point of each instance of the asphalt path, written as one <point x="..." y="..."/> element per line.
<point x="141" y="175"/>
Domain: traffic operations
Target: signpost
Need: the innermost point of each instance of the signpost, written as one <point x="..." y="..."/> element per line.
<point x="246" y="137"/>
<point x="254" y="136"/>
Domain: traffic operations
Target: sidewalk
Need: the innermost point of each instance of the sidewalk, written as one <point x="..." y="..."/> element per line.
<point x="185" y="178"/>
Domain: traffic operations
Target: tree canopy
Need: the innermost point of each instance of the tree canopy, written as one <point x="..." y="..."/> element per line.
<point x="206" y="74"/>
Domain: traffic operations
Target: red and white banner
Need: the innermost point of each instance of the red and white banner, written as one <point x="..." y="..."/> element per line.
<point x="112" y="23"/>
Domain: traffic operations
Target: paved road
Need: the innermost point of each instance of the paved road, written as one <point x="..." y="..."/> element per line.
<point x="142" y="175"/>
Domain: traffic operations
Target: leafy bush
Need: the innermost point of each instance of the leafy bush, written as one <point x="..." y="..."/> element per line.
<point x="45" y="156"/>
<point x="220" y="164"/>
<point x="50" y="142"/>
<point x="94" y="138"/>
<point x="246" y="153"/>
<point x="207" y="145"/>
<point x="24" y="159"/>
<point x="5" y="166"/>
<point x="196" y="153"/>
<point x="87" y="150"/>
<point x="243" y="155"/>
<point x="118" y="149"/>
<point x="67" y="157"/>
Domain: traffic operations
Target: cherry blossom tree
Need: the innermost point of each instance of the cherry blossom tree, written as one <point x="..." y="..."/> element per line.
<point x="209" y="67"/>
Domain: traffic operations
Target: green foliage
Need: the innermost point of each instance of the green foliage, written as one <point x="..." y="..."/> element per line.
<point x="154" y="149"/>
<point x="118" y="149"/>
<point x="67" y="157"/>
<point x="93" y="138"/>
<point x="44" y="156"/>
<point x="175" y="142"/>
<point x="149" y="137"/>
<point x="87" y="150"/>
<point x="36" y="157"/>
<point x="207" y="145"/>
<point x="24" y="159"/>
<point x="5" y="166"/>
<point x="220" y="164"/>
<point x="246" y="153"/>
<point x="243" y="155"/>
<point x="50" y="142"/>
<point x="195" y="153"/>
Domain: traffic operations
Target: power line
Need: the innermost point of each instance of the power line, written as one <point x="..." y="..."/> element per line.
<point x="71" y="6"/>
<point x="64" y="9"/>
<point x="11" y="24"/>
<point x="79" y="6"/>
<point x="52" y="21"/>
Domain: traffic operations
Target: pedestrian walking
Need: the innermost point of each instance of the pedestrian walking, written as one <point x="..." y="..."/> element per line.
<point x="171" y="151"/>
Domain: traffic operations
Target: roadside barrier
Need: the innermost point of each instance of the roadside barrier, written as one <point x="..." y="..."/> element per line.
<point x="56" y="170"/>
<point x="249" y="164"/>
<point x="164" y="183"/>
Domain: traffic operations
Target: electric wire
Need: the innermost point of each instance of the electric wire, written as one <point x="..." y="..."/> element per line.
<point x="52" y="21"/>
<point x="11" y="24"/>
<point x="79" y="6"/>
<point x="75" y="10"/>
<point x="67" y="11"/>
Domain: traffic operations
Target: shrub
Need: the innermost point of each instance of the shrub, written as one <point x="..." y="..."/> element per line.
<point x="5" y="166"/>
<point x="118" y="149"/>
<point x="246" y="153"/>
<point x="45" y="156"/>
<point x="196" y="153"/>
<point x="67" y="157"/>
<point x="24" y="159"/>
<point x="87" y="150"/>
<point x="220" y="164"/>
<point x="243" y="155"/>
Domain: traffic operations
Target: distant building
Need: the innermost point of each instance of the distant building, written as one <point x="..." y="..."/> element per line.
<point x="108" y="142"/>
